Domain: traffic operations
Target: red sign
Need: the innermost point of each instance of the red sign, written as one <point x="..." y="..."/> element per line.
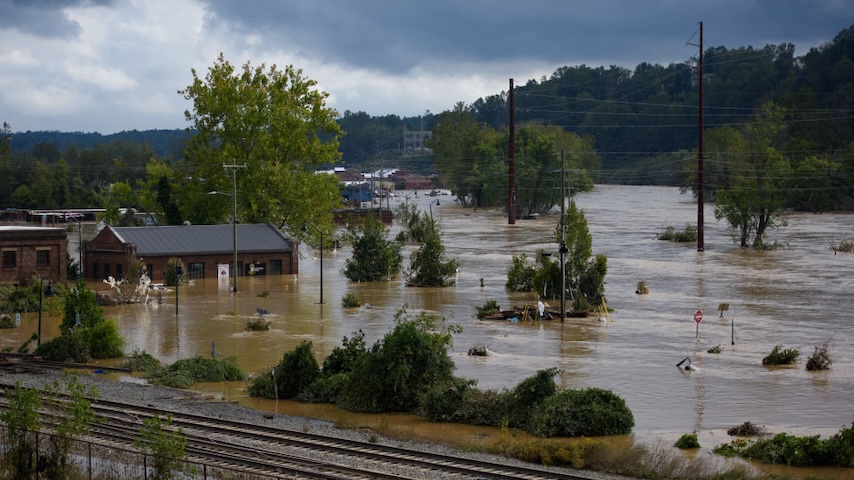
<point x="698" y="316"/>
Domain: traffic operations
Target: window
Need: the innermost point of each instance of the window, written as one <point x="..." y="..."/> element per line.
<point x="119" y="270"/>
<point x="196" y="270"/>
<point x="106" y="270"/>
<point x="42" y="258"/>
<point x="275" y="267"/>
<point x="95" y="273"/>
<point x="10" y="259"/>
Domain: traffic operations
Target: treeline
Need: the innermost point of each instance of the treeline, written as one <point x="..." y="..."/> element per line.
<point x="641" y="118"/>
<point x="641" y="124"/>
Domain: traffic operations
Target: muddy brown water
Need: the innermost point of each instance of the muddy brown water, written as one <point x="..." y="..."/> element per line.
<point x="799" y="296"/>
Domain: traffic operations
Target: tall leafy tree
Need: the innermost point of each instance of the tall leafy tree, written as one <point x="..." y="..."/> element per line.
<point x="275" y="122"/>
<point x="428" y="266"/>
<point x="754" y="193"/>
<point x="375" y="257"/>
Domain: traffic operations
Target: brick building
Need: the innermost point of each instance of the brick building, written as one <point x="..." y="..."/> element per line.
<point x="261" y="250"/>
<point x="27" y="252"/>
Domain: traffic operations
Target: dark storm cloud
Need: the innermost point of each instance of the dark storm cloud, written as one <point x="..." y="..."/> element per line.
<point x="42" y="18"/>
<point x="394" y="37"/>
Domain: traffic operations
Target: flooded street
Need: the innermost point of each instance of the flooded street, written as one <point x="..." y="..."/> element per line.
<point x="798" y="296"/>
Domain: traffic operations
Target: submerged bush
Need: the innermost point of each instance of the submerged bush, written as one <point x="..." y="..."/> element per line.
<point x="489" y="308"/>
<point x="591" y="412"/>
<point x="297" y="370"/>
<point x="820" y="359"/>
<point x="140" y="361"/>
<point x="350" y="300"/>
<point x="687" y="234"/>
<point x="398" y="369"/>
<point x="187" y="372"/>
<point x="443" y="402"/>
<point x="785" y="449"/>
<point x="688" y="440"/>
<point x="781" y="356"/>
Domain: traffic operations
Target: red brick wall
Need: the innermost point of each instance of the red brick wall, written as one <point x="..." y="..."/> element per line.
<point x="25" y="243"/>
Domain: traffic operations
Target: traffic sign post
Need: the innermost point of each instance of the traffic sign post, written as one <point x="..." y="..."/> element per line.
<point x="698" y="317"/>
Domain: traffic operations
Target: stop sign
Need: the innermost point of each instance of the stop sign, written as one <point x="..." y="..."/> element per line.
<point x="698" y="316"/>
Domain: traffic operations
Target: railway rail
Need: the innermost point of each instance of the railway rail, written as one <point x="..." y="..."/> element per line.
<point x="286" y="453"/>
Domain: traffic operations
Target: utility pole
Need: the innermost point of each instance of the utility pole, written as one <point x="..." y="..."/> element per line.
<point x="511" y="175"/>
<point x="563" y="248"/>
<point x="700" y="193"/>
<point x="233" y="167"/>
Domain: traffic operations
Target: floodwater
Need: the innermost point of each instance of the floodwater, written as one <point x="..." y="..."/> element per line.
<point x="797" y="296"/>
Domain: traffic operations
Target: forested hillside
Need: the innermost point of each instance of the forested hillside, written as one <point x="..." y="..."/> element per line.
<point x="642" y="123"/>
<point x="643" y="118"/>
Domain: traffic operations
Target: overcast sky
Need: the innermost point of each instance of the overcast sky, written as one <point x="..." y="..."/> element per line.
<point x="112" y="65"/>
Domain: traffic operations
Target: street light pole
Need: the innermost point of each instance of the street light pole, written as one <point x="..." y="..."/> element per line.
<point x="42" y="292"/>
<point x="320" y="232"/>
<point x="432" y="224"/>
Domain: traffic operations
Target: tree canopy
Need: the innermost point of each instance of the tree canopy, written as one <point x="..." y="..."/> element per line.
<point x="276" y="124"/>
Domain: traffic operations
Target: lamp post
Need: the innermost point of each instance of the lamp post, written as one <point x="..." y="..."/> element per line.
<point x="178" y="272"/>
<point x="48" y="291"/>
<point x="233" y="231"/>
<point x="320" y="232"/>
<point x="432" y="224"/>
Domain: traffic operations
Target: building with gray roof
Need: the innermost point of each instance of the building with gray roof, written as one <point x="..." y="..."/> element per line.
<point x="204" y="250"/>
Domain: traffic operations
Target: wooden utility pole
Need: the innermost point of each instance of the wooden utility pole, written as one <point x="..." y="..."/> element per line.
<point x="700" y="194"/>
<point x="511" y="175"/>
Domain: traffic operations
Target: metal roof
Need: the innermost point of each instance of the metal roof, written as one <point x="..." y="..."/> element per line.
<point x="203" y="239"/>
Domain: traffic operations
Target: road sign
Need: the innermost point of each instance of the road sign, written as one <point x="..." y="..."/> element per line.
<point x="698" y="316"/>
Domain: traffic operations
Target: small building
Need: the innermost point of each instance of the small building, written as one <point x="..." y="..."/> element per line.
<point x="261" y="250"/>
<point x="29" y="252"/>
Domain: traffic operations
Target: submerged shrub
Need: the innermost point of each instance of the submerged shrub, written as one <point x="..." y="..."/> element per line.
<point x="325" y="389"/>
<point x="489" y="308"/>
<point x="687" y="234"/>
<point x="781" y="356"/>
<point x="820" y="359"/>
<point x="443" y="402"/>
<point x="350" y="300"/>
<point x="187" y="372"/>
<point x="688" y="440"/>
<point x="297" y="370"/>
<point x="590" y="412"/>
<point x="140" y="361"/>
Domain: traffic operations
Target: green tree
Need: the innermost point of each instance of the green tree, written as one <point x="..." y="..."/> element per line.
<point x="297" y="370"/>
<point x="464" y="155"/>
<point x="167" y="446"/>
<point x="277" y="124"/>
<point x="84" y="333"/>
<point x="752" y="196"/>
<point x="71" y="402"/>
<point x="22" y="421"/>
<point x="428" y="266"/>
<point x="399" y="368"/>
<point x="375" y="257"/>
<point x="585" y="273"/>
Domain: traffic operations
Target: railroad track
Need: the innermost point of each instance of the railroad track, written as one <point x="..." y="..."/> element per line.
<point x="288" y="453"/>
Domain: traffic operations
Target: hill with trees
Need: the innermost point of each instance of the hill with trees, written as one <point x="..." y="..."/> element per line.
<point x="637" y="126"/>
